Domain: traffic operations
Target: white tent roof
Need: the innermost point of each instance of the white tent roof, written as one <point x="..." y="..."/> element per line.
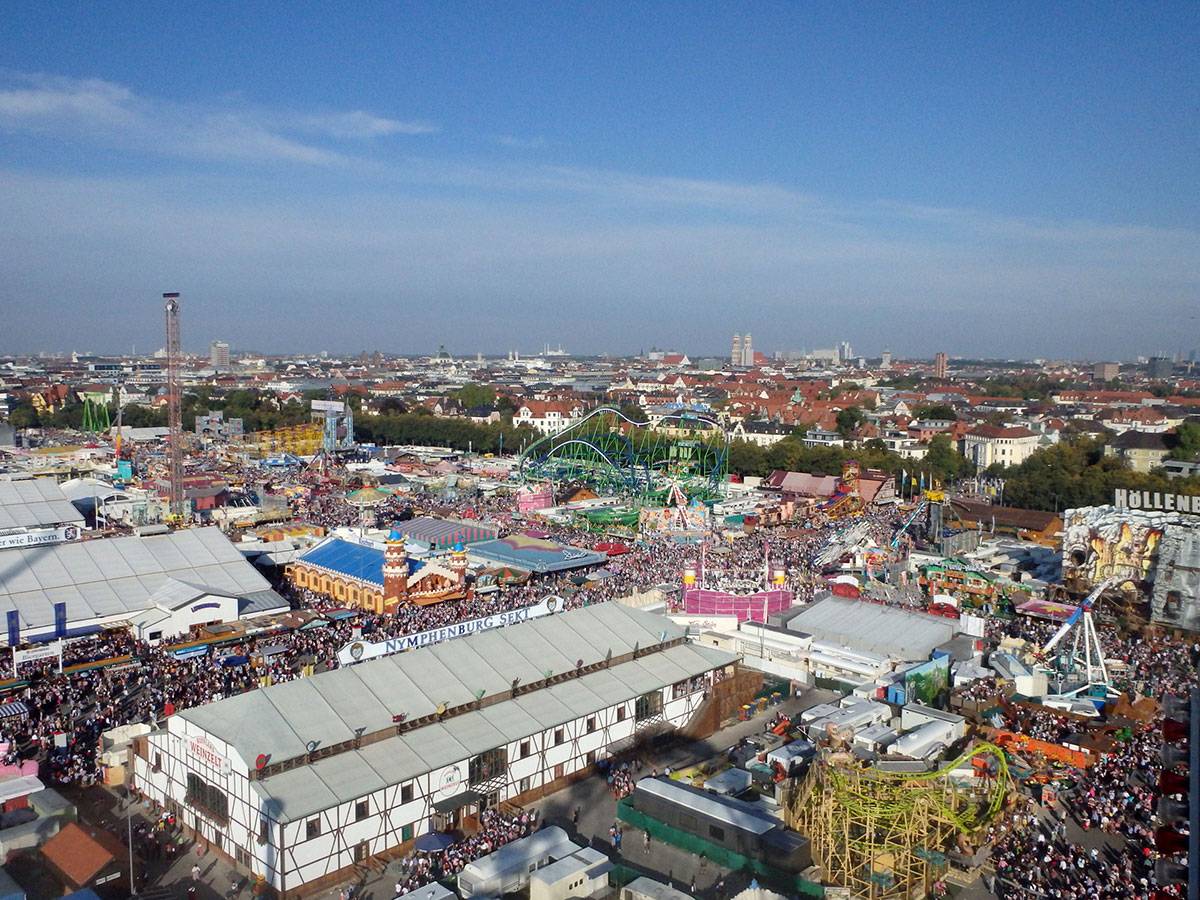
<point x="35" y="503"/>
<point x="113" y="578"/>
<point x="887" y="630"/>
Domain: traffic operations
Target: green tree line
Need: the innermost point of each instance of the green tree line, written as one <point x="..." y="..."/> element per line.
<point x="1063" y="476"/>
<point x="1077" y="473"/>
<point x="942" y="461"/>
<point x="458" y="434"/>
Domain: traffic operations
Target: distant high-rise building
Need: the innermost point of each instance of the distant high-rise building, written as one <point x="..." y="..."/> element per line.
<point x="1161" y="367"/>
<point x="886" y="361"/>
<point x="845" y="351"/>
<point x="939" y="365"/>
<point x="218" y="354"/>
<point x="735" y="355"/>
<point x="747" y="350"/>
<point x="1105" y="371"/>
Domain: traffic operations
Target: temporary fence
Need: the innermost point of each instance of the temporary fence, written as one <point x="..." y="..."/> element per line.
<point x="787" y="882"/>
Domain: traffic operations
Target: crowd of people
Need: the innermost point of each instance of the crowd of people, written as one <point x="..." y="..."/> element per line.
<point x="1035" y="861"/>
<point x="1114" y="799"/>
<point x="495" y="830"/>
<point x="67" y="712"/>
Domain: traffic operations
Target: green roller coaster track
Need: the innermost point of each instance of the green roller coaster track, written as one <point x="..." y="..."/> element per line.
<point x="852" y="793"/>
<point x="613" y="454"/>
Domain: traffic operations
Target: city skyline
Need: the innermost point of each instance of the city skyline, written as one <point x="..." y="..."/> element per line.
<point x="1012" y="183"/>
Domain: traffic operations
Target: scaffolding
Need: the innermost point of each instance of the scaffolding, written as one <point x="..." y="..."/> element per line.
<point x="888" y="835"/>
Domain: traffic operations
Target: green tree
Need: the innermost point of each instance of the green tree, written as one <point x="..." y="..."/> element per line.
<point x="472" y="395"/>
<point x="746" y="458"/>
<point x="420" y="427"/>
<point x="634" y="412"/>
<point x="848" y="419"/>
<point x="1188" y="447"/>
<point x="934" y="411"/>
<point x="944" y="461"/>
<point x="1076" y="473"/>
<point x="24" y="415"/>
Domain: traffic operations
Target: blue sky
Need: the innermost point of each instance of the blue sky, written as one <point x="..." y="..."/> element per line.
<point x="991" y="179"/>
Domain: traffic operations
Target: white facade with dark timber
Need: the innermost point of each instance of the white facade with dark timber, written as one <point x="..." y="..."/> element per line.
<point x="299" y="781"/>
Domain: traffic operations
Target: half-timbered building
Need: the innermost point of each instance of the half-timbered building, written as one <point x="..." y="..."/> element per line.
<point x="300" y="781"/>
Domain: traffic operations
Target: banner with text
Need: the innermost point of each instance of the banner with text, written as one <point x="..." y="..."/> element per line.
<point x="45" y="651"/>
<point x="40" y="537"/>
<point x="362" y="650"/>
<point x="1156" y="501"/>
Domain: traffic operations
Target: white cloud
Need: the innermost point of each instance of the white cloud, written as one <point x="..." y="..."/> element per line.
<point x="44" y="102"/>
<point x="508" y="140"/>
<point x="233" y="137"/>
<point x="356" y="125"/>
<point x="95" y="109"/>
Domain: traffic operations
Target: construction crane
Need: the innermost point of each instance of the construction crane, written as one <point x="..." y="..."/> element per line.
<point x="174" y="417"/>
<point x="1086" y="655"/>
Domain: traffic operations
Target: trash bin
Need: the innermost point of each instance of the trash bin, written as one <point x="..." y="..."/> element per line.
<point x="745" y="712"/>
<point x="776" y="699"/>
<point x="762" y="704"/>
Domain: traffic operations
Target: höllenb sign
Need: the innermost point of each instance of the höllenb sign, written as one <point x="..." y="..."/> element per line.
<point x="1155" y="501"/>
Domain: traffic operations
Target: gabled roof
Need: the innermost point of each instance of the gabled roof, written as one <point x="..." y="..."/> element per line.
<point x="1144" y="440"/>
<point x="889" y="630"/>
<point x="357" y="561"/>
<point x="444" y="532"/>
<point x="536" y="554"/>
<point x="82" y="853"/>
<point x="176" y="594"/>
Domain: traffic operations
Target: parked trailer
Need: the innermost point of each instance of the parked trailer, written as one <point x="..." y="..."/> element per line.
<point x="723" y="821"/>
<point x="507" y="869"/>
<point x="820" y="711"/>
<point x="924" y="742"/>
<point x="855" y="718"/>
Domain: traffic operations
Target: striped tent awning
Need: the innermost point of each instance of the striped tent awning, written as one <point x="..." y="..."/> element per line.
<point x="14" y="708"/>
<point x="444" y="533"/>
